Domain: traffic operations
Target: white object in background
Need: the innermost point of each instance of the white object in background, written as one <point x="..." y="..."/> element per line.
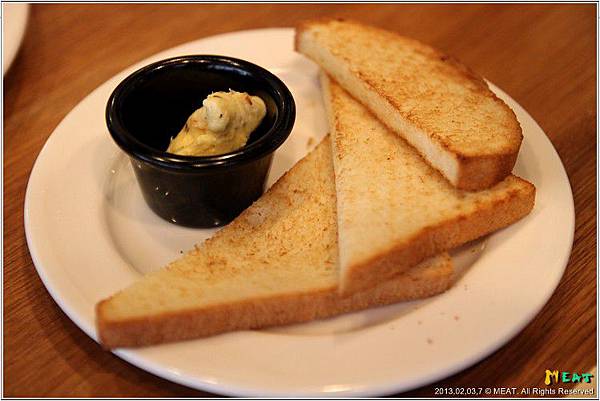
<point x="14" y="21"/>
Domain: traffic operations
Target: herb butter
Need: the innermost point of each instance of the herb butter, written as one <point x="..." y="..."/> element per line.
<point x="223" y="124"/>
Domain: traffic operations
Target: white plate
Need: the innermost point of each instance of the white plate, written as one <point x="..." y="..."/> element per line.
<point x="90" y="234"/>
<point x="14" y="21"/>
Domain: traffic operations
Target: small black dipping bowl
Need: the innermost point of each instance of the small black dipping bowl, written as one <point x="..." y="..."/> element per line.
<point x="152" y="105"/>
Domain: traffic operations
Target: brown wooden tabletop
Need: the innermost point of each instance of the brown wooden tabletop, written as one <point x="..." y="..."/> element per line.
<point x="542" y="55"/>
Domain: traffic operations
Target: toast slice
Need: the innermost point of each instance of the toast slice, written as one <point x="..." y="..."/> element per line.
<point x="277" y="263"/>
<point x="436" y="104"/>
<point x="393" y="209"/>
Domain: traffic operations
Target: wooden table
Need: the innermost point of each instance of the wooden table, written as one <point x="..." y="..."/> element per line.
<point x="542" y="55"/>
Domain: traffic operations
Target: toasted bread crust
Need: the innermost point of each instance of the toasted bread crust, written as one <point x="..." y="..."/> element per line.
<point x="468" y="165"/>
<point x="273" y="311"/>
<point x="479" y="172"/>
<point x="401" y="256"/>
<point x="248" y="253"/>
<point x="402" y="188"/>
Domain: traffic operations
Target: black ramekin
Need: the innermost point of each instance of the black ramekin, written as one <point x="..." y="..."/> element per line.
<point x="151" y="105"/>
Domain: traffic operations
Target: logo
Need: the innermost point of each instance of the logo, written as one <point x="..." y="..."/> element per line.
<point x="554" y="376"/>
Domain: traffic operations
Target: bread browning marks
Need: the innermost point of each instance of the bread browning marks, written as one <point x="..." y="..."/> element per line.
<point x="439" y="105"/>
<point x="276" y="264"/>
<point x="430" y="278"/>
<point x="497" y="214"/>
<point x="405" y="212"/>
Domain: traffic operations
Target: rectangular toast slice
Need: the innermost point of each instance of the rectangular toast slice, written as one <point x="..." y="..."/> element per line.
<point x="276" y="264"/>
<point x="393" y="209"/>
<point x="436" y="104"/>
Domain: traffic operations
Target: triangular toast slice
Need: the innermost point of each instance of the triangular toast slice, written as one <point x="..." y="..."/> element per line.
<point x="277" y="263"/>
<point x="393" y="209"/>
<point x="438" y="105"/>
